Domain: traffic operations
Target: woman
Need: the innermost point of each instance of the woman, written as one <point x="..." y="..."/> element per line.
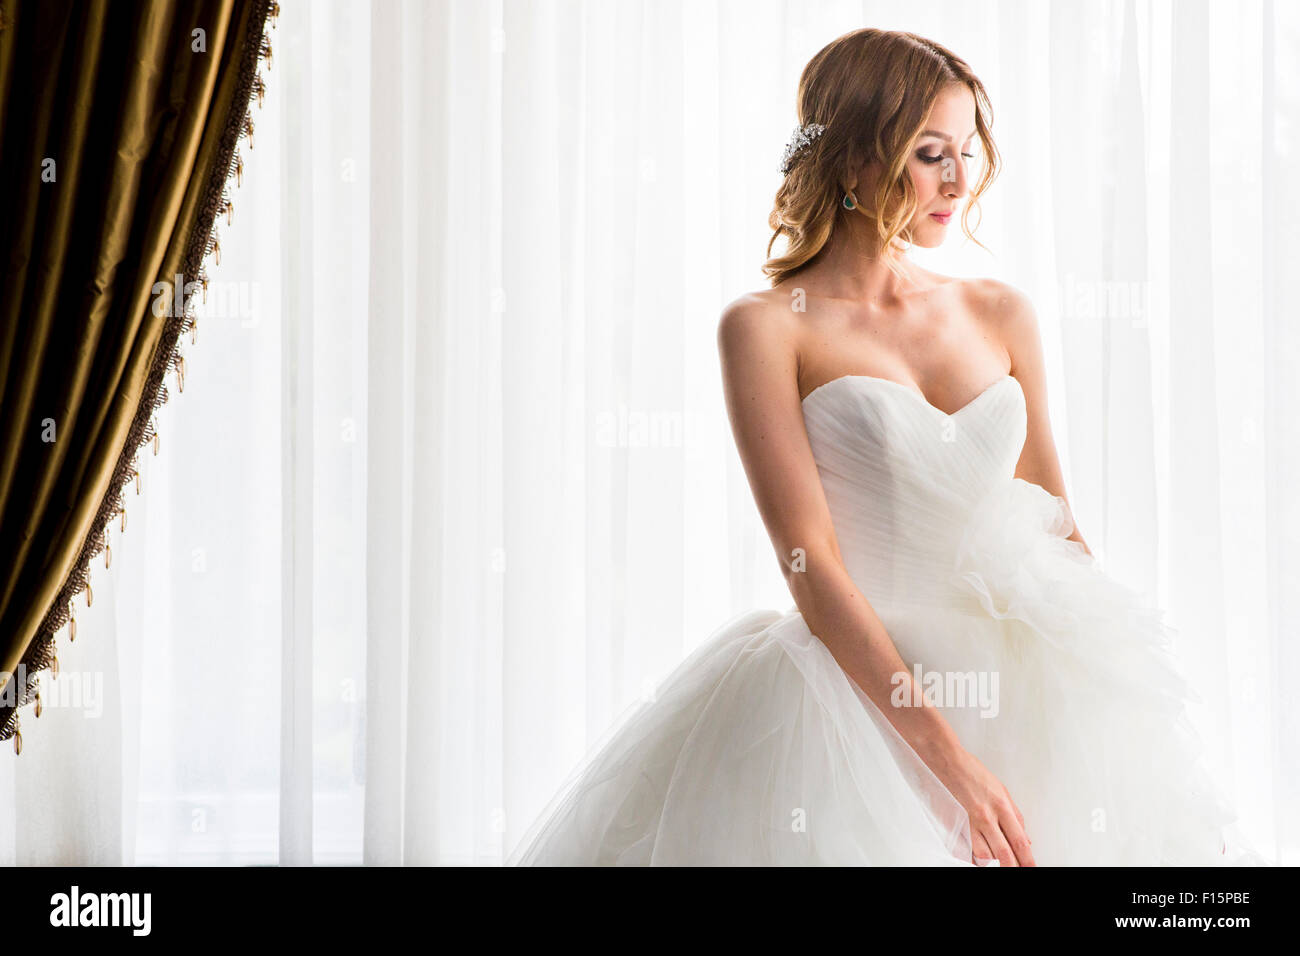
<point x="960" y="683"/>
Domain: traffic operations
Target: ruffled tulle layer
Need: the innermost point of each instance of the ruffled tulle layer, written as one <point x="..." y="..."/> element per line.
<point x="1094" y="740"/>
<point x="759" y="750"/>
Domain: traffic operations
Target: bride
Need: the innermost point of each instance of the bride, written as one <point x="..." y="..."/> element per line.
<point x="960" y="683"/>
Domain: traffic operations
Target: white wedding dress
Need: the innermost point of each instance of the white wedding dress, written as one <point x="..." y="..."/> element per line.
<point x="759" y="749"/>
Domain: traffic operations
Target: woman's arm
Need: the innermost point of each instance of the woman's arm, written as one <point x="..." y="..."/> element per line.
<point x="759" y="370"/>
<point x="1039" y="462"/>
<point x="757" y="343"/>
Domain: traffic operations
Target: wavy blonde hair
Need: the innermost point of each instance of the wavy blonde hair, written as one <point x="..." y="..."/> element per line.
<point x="872" y="90"/>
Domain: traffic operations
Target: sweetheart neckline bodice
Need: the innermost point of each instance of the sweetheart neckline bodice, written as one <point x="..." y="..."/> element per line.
<point x="904" y="479"/>
<point x="915" y="393"/>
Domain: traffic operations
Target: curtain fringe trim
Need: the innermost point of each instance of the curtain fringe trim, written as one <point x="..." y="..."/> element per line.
<point x="42" y="654"/>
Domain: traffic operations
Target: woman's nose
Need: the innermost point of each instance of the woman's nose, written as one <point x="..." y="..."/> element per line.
<point x="955" y="179"/>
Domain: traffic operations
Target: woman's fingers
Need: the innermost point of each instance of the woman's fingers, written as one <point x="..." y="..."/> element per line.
<point x="998" y="844"/>
<point x="997" y="827"/>
<point x="1019" y="816"/>
<point x="1013" y="829"/>
<point x="1020" y="847"/>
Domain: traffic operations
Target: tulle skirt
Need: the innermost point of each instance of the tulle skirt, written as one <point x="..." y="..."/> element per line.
<point x="760" y="750"/>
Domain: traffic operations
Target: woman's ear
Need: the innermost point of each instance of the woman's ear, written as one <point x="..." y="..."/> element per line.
<point x="858" y="177"/>
<point x="853" y="175"/>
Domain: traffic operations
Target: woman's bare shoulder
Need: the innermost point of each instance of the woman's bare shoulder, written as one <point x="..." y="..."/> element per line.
<point x="995" y="301"/>
<point x="1006" y="313"/>
<point x="757" y="320"/>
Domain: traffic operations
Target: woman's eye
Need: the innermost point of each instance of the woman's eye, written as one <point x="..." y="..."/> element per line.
<point x="931" y="160"/>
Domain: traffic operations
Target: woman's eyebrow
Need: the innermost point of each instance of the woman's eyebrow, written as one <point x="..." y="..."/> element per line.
<point x="942" y="135"/>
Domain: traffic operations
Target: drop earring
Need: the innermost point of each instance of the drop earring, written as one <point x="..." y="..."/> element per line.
<point x="848" y="201"/>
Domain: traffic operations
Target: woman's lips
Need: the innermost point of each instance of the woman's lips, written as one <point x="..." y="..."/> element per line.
<point x="943" y="217"/>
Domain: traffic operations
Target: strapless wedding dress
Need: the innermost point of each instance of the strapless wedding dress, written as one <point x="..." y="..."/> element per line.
<point x="759" y="749"/>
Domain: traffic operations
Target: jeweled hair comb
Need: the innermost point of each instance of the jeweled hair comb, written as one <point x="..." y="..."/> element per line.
<point x="803" y="137"/>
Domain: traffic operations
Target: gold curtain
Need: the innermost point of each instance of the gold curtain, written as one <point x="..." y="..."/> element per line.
<point x="119" y="125"/>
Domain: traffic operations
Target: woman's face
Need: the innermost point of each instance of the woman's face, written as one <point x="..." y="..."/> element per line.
<point x="939" y="162"/>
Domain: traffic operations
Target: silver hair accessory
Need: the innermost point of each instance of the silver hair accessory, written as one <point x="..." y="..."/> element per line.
<point x="801" y="139"/>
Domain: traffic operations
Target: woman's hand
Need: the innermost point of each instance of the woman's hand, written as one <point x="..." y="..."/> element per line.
<point x="997" y="828"/>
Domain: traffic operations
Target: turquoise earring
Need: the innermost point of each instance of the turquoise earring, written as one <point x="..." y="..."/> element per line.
<point x="848" y="201"/>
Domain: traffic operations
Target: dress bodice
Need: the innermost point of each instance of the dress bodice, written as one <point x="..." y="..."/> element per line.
<point x="905" y="481"/>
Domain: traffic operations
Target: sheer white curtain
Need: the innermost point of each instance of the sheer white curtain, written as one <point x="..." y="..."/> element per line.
<point x="451" y="483"/>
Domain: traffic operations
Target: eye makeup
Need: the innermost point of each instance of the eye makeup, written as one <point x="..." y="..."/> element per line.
<point x="932" y="158"/>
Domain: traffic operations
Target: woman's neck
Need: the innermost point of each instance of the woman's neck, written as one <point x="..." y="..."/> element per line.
<point x="851" y="266"/>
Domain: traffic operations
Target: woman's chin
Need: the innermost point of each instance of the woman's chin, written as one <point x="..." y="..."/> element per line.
<point x="930" y="237"/>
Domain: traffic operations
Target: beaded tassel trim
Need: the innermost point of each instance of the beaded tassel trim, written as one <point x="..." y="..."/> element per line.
<point x="42" y="653"/>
